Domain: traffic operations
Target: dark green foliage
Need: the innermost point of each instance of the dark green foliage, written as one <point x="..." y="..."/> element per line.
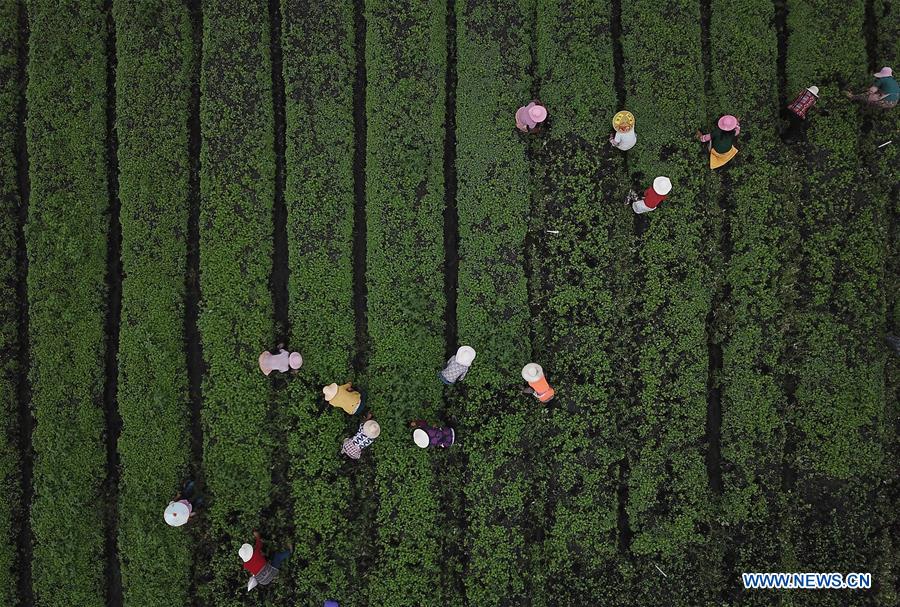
<point x="152" y="87"/>
<point x="237" y="193"/>
<point x="67" y="243"/>
<point x="751" y="321"/>
<point x="10" y="97"/>
<point x="493" y="203"/>
<point x="319" y="70"/>
<point x="584" y="271"/>
<point x="669" y="498"/>
<point x="405" y="53"/>
<point x="838" y="358"/>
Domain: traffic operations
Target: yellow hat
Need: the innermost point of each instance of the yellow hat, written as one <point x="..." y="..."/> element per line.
<point x="623" y="118"/>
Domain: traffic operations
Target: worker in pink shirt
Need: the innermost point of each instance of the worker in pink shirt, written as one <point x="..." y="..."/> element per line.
<point x="529" y="117"/>
<point x="283" y="361"/>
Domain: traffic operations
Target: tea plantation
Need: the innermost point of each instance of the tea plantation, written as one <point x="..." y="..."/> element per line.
<point x="187" y="183"/>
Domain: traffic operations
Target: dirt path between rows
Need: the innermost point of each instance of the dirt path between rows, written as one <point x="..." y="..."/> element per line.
<point x="23" y="387"/>
<point x="113" y="315"/>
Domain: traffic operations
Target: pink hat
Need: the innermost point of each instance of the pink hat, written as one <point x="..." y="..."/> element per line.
<point x="728" y="122"/>
<point x="538" y="113"/>
<point x="885" y="72"/>
<point x="295" y="360"/>
<point x="264" y="363"/>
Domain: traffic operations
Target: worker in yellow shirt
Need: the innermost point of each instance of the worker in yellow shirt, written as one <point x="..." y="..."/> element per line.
<point x="344" y="397"/>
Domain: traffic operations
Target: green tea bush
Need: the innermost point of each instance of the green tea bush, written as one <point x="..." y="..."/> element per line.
<point x="669" y="498"/>
<point x="493" y="200"/>
<point x="405" y="57"/>
<point x="583" y="271"/>
<point x="10" y="97"/>
<point x="153" y="54"/>
<point x="319" y="71"/>
<point x="67" y="229"/>
<point x="237" y="194"/>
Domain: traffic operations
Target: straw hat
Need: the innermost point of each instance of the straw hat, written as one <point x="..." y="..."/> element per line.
<point x="371" y="429"/>
<point x="728" y="122"/>
<point x="176" y="514"/>
<point x="330" y="391"/>
<point x="264" y="363"/>
<point x="623" y="120"/>
<point x="295" y="360"/>
<point x="538" y="113"/>
<point x="532" y="372"/>
<point x="420" y="437"/>
<point x="245" y="552"/>
<point x="885" y="72"/>
<point x="814" y="90"/>
<point x="465" y="355"/>
<point x="662" y="185"/>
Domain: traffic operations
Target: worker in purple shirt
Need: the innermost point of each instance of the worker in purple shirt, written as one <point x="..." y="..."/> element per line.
<point x="431" y="436"/>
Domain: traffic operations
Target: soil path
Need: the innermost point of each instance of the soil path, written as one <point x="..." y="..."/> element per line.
<point x="114" y="310"/>
<point x="26" y="420"/>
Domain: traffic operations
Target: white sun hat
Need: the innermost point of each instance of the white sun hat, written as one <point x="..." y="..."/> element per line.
<point x="371" y="429"/>
<point x="330" y="391"/>
<point x="814" y="90"/>
<point x="177" y="514"/>
<point x="532" y="372"/>
<point x="420" y="437"/>
<point x="295" y="361"/>
<point x="245" y="552"/>
<point x="662" y="185"/>
<point x="465" y="355"/>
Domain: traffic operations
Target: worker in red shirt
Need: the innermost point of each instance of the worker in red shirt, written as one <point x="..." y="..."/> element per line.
<point x="653" y="195"/>
<point x="263" y="572"/>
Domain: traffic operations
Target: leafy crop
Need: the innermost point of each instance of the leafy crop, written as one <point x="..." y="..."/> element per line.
<point x="10" y="96"/>
<point x="319" y="71"/>
<point x="583" y="270"/>
<point x="838" y="359"/>
<point x="152" y="90"/>
<point x="669" y="498"/>
<point x="237" y="193"/>
<point x="493" y="201"/>
<point x="405" y="57"/>
<point x="67" y="244"/>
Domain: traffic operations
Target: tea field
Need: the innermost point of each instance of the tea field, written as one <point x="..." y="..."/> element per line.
<point x="185" y="183"/>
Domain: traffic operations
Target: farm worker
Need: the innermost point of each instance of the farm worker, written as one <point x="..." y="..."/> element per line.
<point x="537" y="383"/>
<point x="457" y="366"/>
<point x="625" y="137"/>
<point x="368" y="431"/>
<point x="431" y="436"/>
<point x="529" y="117"/>
<point x="883" y="93"/>
<point x="653" y="195"/>
<point x="283" y="361"/>
<point x="804" y="102"/>
<point x="721" y="141"/>
<point x="263" y="572"/>
<point x="181" y="510"/>
<point x="344" y="397"/>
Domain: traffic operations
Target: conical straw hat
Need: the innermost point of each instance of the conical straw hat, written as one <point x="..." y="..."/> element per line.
<point x="177" y="514"/>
